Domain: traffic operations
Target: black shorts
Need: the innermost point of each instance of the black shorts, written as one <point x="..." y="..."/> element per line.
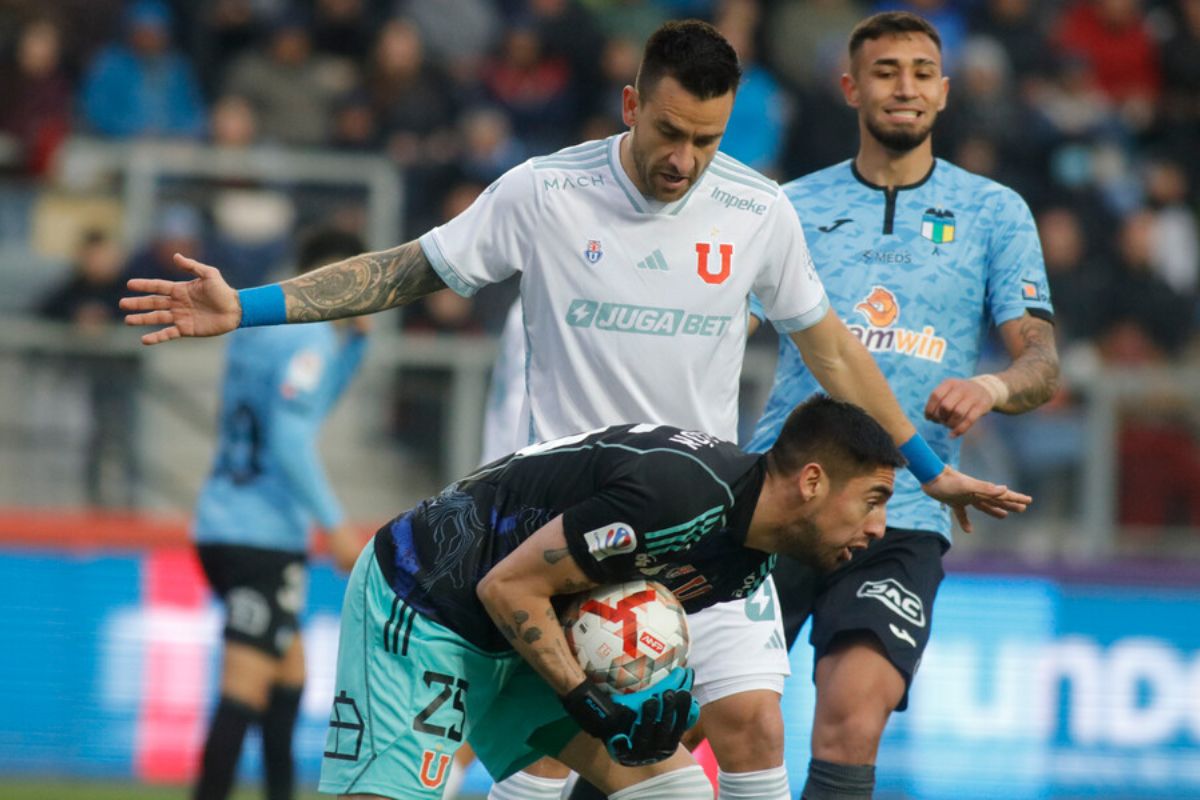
<point x="263" y="590"/>
<point x="887" y="589"/>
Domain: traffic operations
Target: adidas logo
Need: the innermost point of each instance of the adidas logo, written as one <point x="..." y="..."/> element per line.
<point x="654" y="261"/>
<point x="776" y="642"/>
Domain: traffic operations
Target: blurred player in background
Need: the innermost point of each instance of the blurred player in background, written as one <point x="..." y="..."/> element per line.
<point x="253" y="519"/>
<point x="917" y="256"/>
<point x="637" y="256"/>
<point x="449" y="630"/>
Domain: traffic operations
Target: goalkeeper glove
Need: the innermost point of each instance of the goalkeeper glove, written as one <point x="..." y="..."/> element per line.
<point x="641" y="727"/>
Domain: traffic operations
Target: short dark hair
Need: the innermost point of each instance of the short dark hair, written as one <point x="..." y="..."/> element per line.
<point x="845" y="440"/>
<point x="693" y="53"/>
<point x="325" y="246"/>
<point x="890" y="23"/>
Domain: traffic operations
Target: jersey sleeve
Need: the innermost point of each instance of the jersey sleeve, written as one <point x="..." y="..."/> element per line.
<point x="660" y="502"/>
<point x="790" y="293"/>
<point x="1016" y="280"/>
<point x="488" y="242"/>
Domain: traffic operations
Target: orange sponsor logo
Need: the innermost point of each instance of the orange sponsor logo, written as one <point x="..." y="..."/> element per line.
<point x="880" y="307"/>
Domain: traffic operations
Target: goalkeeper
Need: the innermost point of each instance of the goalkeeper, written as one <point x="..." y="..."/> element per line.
<point x="449" y="631"/>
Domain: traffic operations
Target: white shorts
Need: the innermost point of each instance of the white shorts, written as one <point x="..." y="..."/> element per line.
<point x="738" y="646"/>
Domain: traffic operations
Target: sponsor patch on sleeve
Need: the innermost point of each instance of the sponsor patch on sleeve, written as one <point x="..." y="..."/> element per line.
<point x="611" y="540"/>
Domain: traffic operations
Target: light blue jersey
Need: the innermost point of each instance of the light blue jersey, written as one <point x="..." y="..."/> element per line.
<point x="917" y="274"/>
<point x="267" y="485"/>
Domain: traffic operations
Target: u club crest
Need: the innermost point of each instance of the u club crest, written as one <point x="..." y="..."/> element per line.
<point x="592" y="252"/>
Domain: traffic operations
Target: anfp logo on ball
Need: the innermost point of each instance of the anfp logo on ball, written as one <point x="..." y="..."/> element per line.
<point x="611" y="540"/>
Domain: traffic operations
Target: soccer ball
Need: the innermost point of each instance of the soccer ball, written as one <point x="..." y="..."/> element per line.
<point x="627" y="636"/>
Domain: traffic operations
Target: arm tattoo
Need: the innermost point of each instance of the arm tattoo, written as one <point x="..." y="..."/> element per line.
<point x="361" y="285"/>
<point x="1032" y="378"/>
<point x="556" y="555"/>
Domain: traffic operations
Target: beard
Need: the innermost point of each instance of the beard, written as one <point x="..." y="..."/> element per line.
<point x="899" y="140"/>
<point x="806" y="546"/>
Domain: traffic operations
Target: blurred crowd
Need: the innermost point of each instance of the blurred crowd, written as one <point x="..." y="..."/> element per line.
<point x="1089" y="108"/>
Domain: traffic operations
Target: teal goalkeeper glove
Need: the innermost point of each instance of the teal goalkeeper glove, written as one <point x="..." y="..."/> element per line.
<point x="640" y="727"/>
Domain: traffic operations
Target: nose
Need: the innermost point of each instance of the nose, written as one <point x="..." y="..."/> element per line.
<point x="876" y="525"/>
<point x="906" y="84"/>
<point x="683" y="158"/>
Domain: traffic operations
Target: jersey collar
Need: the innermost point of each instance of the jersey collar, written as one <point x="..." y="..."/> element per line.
<point x="859" y="177"/>
<point x="639" y="201"/>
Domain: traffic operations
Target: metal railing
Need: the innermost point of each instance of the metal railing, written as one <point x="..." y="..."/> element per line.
<point x="177" y="392"/>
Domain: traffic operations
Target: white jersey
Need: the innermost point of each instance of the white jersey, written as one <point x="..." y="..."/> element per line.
<point x="635" y="310"/>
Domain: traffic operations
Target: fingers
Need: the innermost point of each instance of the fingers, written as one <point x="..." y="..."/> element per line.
<point x="151" y="318"/>
<point x="964" y="522"/>
<point x="150" y="286"/>
<point x="160" y="336"/>
<point x="144" y="303"/>
<point x="192" y="265"/>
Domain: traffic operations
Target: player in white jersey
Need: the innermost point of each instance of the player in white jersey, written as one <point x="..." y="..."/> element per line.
<point x="637" y="255"/>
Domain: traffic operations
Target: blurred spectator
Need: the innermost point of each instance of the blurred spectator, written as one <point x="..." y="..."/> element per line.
<point x="823" y="128"/>
<point x="1175" y="246"/>
<point x="36" y="107"/>
<point x="143" y="87"/>
<point x="761" y="109"/>
<point x="949" y="19"/>
<point x="89" y="297"/>
<point x="413" y="99"/>
<point x="1145" y="320"/>
<point x="618" y="68"/>
<point x="178" y="229"/>
<point x="355" y="128"/>
<point x="1077" y="278"/>
<point x="291" y="90"/>
<point x="1181" y="82"/>
<point x="1015" y="25"/>
<point x="228" y="28"/>
<point x="569" y="32"/>
<point x="233" y="123"/>
<point x="629" y="19"/>
<point x="533" y="89"/>
<point x="1113" y="38"/>
<point x="489" y="147"/>
<point x="341" y="28"/>
<point x="986" y="105"/>
<point x="799" y="38"/>
<point x="89" y="301"/>
<point x="458" y="33"/>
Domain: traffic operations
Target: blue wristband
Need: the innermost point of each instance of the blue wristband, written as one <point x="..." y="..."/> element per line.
<point x="262" y="305"/>
<point x="923" y="463"/>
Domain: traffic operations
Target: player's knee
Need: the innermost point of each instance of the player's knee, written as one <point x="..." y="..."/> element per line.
<point x="687" y="783"/>
<point x="745" y="731"/>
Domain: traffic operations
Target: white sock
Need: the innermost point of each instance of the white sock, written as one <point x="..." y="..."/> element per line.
<point x="523" y="786"/>
<point x="689" y="783"/>
<point x="764" y="784"/>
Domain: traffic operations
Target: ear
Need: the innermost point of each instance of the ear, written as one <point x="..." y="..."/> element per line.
<point x="629" y="106"/>
<point x="945" y="93"/>
<point x="811" y="481"/>
<point x="850" y="89"/>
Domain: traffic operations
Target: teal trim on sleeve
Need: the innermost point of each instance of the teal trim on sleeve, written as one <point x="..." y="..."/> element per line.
<point x="442" y="267"/>
<point x="805" y="320"/>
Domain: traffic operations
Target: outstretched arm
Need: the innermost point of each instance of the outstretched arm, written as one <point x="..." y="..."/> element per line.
<point x="1029" y="381"/>
<point x="847" y="371"/>
<point x="208" y="306"/>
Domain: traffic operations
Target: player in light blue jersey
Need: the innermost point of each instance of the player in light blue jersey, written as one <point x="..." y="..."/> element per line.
<point x="252" y="522"/>
<point x="917" y="257"/>
<point x="637" y="256"/>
